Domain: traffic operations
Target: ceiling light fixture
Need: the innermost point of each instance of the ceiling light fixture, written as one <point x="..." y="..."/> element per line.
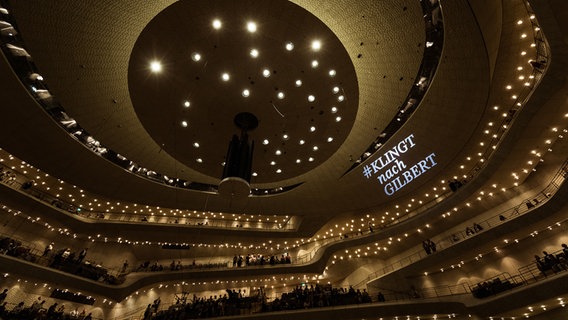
<point x="195" y="56"/>
<point x="217" y="24"/>
<point x="251" y="27"/>
<point x="316" y="45"/>
<point x="155" y="66"/>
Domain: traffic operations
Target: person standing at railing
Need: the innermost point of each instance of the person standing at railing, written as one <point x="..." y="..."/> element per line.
<point x="48" y="249"/>
<point x="3" y="295"/>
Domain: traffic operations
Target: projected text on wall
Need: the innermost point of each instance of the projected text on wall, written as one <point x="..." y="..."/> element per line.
<point x="392" y="172"/>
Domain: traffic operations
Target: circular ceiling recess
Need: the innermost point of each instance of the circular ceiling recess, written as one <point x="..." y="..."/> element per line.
<point x="199" y="63"/>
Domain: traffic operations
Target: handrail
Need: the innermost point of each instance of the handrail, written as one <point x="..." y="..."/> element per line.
<point x="61" y="204"/>
<point x="491" y="222"/>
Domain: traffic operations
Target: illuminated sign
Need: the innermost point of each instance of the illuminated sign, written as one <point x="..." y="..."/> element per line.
<point x="392" y="172"/>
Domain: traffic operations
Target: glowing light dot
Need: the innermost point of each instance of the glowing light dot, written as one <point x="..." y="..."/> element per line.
<point x="225" y="76"/>
<point x="316" y="45"/>
<point x="186" y="104"/>
<point x="340" y="98"/>
<point x="315" y="63"/>
<point x="312" y="129"/>
<point x="254" y="53"/>
<point x="251" y="27"/>
<point x="246" y="93"/>
<point x="217" y="24"/>
<point x="333" y="109"/>
<point x="289" y="46"/>
<point x="311" y="98"/>
<point x="335" y="89"/>
<point x="266" y="73"/>
<point x="337" y="119"/>
<point x="332" y="73"/>
<point x="265" y="141"/>
<point x="280" y="95"/>
<point x="195" y="56"/>
<point x="155" y="66"/>
<point x="196" y="144"/>
<point x="184" y="124"/>
<point x="298" y="83"/>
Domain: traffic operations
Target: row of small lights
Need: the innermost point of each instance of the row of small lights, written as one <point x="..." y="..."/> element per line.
<point x="339" y="228"/>
<point x="48" y="183"/>
<point x="362" y="224"/>
<point x="514" y="97"/>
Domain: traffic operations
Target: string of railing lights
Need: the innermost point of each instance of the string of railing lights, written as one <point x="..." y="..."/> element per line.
<point x="68" y="192"/>
<point x="496" y="249"/>
<point x="351" y="227"/>
<point x="483" y="154"/>
<point x="399" y="239"/>
<point x="106" y="239"/>
<point x="120" y="240"/>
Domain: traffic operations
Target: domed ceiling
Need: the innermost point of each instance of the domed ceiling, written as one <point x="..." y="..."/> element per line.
<point x="199" y="63"/>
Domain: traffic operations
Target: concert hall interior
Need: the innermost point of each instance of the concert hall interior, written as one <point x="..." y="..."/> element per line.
<point x="357" y="159"/>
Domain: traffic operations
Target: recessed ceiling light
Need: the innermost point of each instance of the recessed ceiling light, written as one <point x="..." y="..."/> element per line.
<point x="217" y="24"/>
<point x="155" y="66"/>
<point x="278" y="171"/>
<point x="246" y="93"/>
<point x="280" y="95"/>
<point x="186" y="103"/>
<point x="265" y="141"/>
<point x="285" y="136"/>
<point x="330" y="139"/>
<point x="184" y="124"/>
<point x="340" y="98"/>
<point x="225" y="76"/>
<point x="199" y="160"/>
<point x="254" y="53"/>
<point x="302" y="142"/>
<point x="195" y="56"/>
<point x="289" y="46"/>
<point x="251" y="27"/>
<point x="278" y="152"/>
<point x="335" y="89"/>
<point x="298" y="160"/>
<point x="254" y="174"/>
<point x="196" y="144"/>
<point x="334" y="109"/>
<point x="332" y="73"/>
<point x="315" y="63"/>
<point x="312" y="129"/>
<point x="272" y="163"/>
<point x="315" y="148"/>
<point x="337" y="119"/>
<point x="316" y="45"/>
<point x="298" y="83"/>
<point x="266" y="73"/>
<point x="310" y="159"/>
<point x="311" y="98"/>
